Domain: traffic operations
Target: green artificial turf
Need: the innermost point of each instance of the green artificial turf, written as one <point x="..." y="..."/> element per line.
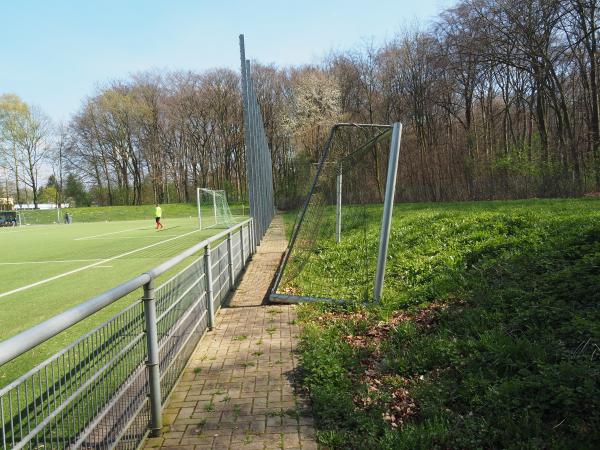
<point x="488" y="334"/>
<point x="101" y="255"/>
<point x="120" y="213"/>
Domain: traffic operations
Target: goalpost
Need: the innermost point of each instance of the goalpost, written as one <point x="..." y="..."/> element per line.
<point x="213" y="209"/>
<point x="339" y="244"/>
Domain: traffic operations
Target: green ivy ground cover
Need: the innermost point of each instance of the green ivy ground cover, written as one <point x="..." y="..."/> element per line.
<point x="487" y="337"/>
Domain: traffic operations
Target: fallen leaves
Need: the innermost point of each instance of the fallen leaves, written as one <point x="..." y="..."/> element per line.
<point x="291" y="290"/>
<point x="334" y="316"/>
<point x="390" y="394"/>
<point x="400" y="408"/>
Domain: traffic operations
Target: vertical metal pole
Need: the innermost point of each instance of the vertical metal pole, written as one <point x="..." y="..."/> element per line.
<point x="388" y="207"/>
<point x="255" y="149"/>
<point x="263" y="158"/>
<point x="255" y="153"/>
<point x="152" y="363"/>
<point x="230" y="261"/>
<point x="257" y="120"/>
<point x="199" y="210"/>
<point x="258" y="156"/>
<point x="268" y="174"/>
<point x="338" y="209"/>
<point x="209" y="287"/>
<point x="250" y="169"/>
<point x="242" y="247"/>
<point x="252" y="238"/>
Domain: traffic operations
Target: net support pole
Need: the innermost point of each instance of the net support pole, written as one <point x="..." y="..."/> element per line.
<point x="247" y="130"/>
<point x="258" y="156"/>
<point x="152" y="363"/>
<point x="255" y="156"/>
<point x="199" y="210"/>
<point x="388" y="207"/>
<point x="338" y="208"/>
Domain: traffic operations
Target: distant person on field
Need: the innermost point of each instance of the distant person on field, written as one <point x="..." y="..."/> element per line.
<point x="157" y="216"/>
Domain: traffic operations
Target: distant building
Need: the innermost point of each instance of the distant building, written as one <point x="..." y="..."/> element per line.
<point x="40" y="206"/>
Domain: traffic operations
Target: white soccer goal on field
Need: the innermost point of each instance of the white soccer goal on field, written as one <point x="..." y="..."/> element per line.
<point x="213" y="209"/>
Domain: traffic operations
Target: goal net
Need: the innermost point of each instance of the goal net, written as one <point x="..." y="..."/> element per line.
<point x="335" y="244"/>
<point x="39" y="216"/>
<point x="213" y="209"/>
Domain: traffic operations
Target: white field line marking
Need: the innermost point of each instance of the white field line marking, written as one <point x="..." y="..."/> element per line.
<point x="47" y="262"/>
<point x="23" y="229"/>
<point x="102" y="261"/>
<point x="106" y="234"/>
<point x="130" y="237"/>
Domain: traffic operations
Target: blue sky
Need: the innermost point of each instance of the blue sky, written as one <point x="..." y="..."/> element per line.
<point x="54" y="53"/>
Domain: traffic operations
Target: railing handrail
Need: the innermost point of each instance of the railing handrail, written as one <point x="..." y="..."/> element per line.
<point x="15" y="346"/>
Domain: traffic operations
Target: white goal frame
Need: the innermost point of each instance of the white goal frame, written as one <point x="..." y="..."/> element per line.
<point x="214" y="193"/>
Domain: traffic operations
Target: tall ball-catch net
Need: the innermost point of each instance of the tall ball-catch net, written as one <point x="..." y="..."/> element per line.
<point x="213" y="209"/>
<point x="334" y="246"/>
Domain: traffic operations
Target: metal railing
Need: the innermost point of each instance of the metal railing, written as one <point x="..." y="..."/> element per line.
<point x="106" y="390"/>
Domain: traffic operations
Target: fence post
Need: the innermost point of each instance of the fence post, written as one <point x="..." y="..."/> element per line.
<point x="252" y="237"/>
<point x="152" y="363"/>
<point x="209" y="287"/>
<point x="242" y="247"/>
<point x="230" y="261"/>
<point x="255" y="240"/>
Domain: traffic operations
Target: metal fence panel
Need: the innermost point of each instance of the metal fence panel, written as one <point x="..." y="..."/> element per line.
<point x="54" y="403"/>
<point x="220" y="274"/>
<point x="246" y="234"/>
<point x="237" y="253"/>
<point x="94" y="393"/>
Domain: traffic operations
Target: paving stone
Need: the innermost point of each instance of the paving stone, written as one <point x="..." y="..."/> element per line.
<point x="247" y="381"/>
<point x="154" y="442"/>
<point x="309" y="445"/>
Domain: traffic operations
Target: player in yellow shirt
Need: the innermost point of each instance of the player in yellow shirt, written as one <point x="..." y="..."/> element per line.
<point x="157" y="216"/>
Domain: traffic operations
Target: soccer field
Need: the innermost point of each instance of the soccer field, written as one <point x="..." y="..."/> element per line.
<point x="48" y="269"/>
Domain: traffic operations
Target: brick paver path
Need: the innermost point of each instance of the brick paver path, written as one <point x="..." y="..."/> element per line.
<point x="237" y="390"/>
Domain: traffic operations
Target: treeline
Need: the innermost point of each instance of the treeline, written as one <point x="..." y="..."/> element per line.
<point x="136" y="139"/>
<point x="499" y="99"/>
<point x="158" y="136"/>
